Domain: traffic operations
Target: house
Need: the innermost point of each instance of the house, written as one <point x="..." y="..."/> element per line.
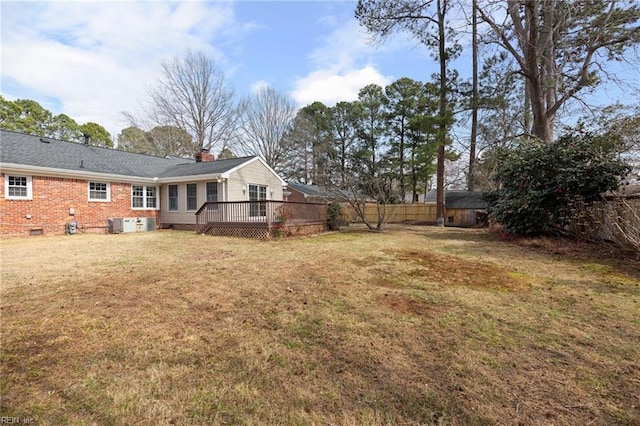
<point x="462" y="208"/>
<point x="53" y="186"/>
<point x="304" y="193"/>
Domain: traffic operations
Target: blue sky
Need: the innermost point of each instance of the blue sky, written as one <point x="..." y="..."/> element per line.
<point x="93" y="60"/>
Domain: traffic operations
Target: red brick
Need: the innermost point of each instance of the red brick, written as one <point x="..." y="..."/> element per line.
<point x="52" y="200"/>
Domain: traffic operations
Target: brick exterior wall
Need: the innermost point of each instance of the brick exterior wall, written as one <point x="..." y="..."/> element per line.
<point x="49" y="210"/>
<point x="296" y="196"/>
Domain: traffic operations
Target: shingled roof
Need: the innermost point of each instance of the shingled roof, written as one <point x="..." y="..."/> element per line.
<point x="308" y="190"/>
<point x="205" y="168"/>
<point x="460" y="199"/>
<point x="28" y="150"/>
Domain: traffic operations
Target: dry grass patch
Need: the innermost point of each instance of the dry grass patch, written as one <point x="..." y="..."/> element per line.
<point x="451" y="270"/>
<point x="417" y="325"/>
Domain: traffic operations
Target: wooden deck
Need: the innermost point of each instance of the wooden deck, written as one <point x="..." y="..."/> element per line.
<point x="261" y="219"/>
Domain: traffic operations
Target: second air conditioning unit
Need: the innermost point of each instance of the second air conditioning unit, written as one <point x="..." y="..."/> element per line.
<point x="119" y="225"/>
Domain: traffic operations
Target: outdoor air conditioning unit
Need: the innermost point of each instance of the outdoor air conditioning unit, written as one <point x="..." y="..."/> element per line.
<point x="119" y="225"/>
<point x="114" y="225"/>
<point x="151" y="224"/>
<point x="129" y="224"/>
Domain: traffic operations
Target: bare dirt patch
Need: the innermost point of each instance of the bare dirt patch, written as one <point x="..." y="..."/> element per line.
<point x="410" y="305"/>
<point x="450" y="270"/>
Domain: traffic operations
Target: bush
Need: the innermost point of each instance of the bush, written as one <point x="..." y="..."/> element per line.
<point x="614" y="221"/>
<point x="539" y="184"/>
<point x="280" y="229"/>
<point x="334" y="216"/>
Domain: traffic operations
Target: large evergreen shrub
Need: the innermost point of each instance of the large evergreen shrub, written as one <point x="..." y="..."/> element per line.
<point x="540" y="183"/>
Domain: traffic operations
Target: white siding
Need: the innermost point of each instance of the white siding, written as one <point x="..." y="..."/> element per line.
<point x="182" y="216"/>
<point x="257" y="174"/>
<point x="254" y="173"/>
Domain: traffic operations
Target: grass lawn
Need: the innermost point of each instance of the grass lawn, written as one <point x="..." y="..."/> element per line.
<point x="416" y="325"/>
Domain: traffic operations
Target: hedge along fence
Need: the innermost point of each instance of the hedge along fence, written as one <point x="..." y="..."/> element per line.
<point x="616" y="220"/>
<point x="395" y="213"/>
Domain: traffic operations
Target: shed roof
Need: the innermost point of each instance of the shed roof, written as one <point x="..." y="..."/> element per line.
<point x="322" y="192"/>
<point x="308" y="190"/>
<point x="460" y="199"/>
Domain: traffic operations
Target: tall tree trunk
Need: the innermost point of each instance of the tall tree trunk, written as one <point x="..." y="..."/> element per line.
<point x="442" y="113"/>
<point x="474" y="98"/>
<point x="403" y="190"/>
<point x="527" y="108"/>
<point x="414" y="177"/>
<point x="549" y="77"/>
<point x="535" y="74"/>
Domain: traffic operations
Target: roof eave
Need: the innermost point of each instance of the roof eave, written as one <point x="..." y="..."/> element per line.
<point x="192" y="178"/>
<point x="63" y="173"/>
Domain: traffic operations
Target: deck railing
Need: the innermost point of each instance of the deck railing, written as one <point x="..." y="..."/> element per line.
<point x="264" y="214"/>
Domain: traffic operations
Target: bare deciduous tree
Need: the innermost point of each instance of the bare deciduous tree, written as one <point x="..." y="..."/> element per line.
<point x="265" y="118"/>
<point x="192" y="94"/>
<point x="160" y="141"/>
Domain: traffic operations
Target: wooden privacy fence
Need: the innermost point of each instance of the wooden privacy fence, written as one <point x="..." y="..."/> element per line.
<point x="395" y="213"/>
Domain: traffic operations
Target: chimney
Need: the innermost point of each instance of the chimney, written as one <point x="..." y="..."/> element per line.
<point x="204" y="156"/>
<point x="86" y="138"/>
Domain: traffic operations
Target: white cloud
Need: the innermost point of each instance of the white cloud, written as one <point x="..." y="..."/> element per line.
<point x="332" y="86"/>
<point x="344" y="45"/>
<point x="343" y="65"/>
<point x="95" y="59"/>
<point x="92" y="60"/>
<point x="259" y="85"/>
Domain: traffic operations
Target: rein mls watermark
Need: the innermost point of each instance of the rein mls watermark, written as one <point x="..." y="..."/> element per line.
<point x="4" y="420"/>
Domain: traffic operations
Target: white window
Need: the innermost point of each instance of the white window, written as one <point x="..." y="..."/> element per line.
<point x="17" y="188"/>
<point x="151" y="197"/>
<point x="212" y="192"/>
<point x="99" y="191"/>
<point x="144" y="197"/>
<point x="137" y="197"/>
<point x="173" y="198"/>
<point x="192" y="196"/>
<point x="257" y="193"/>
